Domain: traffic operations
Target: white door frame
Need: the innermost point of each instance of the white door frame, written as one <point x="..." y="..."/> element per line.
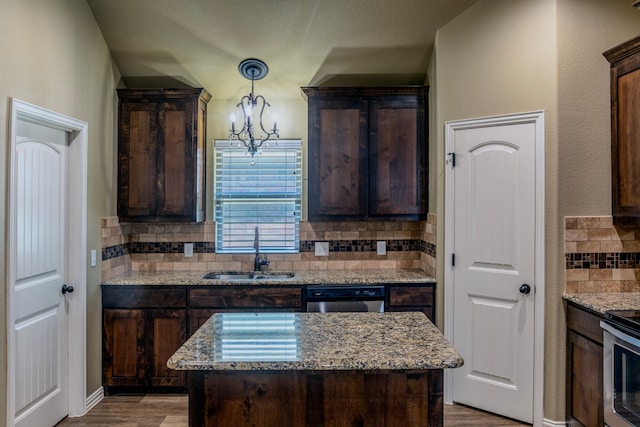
<point x="77" y="250"/>
<point x="537" y="118"/>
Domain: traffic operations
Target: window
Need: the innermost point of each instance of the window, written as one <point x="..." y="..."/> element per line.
<point x="266" y="195"/>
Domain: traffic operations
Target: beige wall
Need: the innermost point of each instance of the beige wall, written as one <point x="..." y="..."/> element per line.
<point x="53" y="55"/>
<point x="586" y="28"/>
<point x="501" y="57"/>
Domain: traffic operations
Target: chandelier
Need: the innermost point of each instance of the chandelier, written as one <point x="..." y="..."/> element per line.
<point x="252" y="108"/>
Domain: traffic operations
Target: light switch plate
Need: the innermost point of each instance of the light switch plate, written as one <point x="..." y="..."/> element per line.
<point x="188" y="250"/>
<point x="322" y="248"/>
<point x="94" y="261"/>
<point x="382" y="247"/>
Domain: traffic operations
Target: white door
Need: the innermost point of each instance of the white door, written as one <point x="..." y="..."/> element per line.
<point x="493" y="275"/>
<point x="40" y="309"/>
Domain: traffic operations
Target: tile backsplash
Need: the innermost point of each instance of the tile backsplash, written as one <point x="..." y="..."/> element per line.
<point x="352" y="246"/>
<point x="600" y="257"/>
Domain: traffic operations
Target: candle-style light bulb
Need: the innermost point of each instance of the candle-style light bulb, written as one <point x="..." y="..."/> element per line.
<point x="232" y="117"/>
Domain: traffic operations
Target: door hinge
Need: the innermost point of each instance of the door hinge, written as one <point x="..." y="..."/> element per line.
<point x="452" y="157"/>
<point x="453" y="260"/>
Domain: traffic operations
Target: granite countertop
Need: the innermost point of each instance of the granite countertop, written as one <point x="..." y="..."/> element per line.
<point x="311" y="277"/>
<point x="602" y="301"/>
<point x="316" y="342"/>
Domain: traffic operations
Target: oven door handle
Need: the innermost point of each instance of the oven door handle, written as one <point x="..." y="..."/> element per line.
<point x="619" y="334"/>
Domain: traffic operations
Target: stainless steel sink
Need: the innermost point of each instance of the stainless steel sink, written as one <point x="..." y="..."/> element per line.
<point x="230" y="276"/>
<point x="273" y="276"/>
<point x="244" y="275"/>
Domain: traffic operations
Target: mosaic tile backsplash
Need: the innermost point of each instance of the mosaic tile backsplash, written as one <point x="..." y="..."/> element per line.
<point x="600" y="257"/>
<point x="352" y="246"/>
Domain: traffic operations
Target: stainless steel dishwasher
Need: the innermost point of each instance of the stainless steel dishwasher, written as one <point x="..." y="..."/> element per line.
<point x="326" y="299"/>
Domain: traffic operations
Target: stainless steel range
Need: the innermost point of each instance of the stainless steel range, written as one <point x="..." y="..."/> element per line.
<point x="621" y="366"/>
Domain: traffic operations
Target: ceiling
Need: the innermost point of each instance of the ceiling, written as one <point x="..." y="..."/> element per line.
<point x="199" y="43"/>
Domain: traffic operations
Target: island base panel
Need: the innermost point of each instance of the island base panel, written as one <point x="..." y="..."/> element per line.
<point x="327" y="399"/>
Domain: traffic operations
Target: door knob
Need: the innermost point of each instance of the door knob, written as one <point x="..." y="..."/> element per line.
<point x="66" y="289"/>
<point x="525" y="289"/>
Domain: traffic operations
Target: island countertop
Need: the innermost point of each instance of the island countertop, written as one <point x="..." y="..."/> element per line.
<point x="405" y="341"/>
<point x="308" y="277"/>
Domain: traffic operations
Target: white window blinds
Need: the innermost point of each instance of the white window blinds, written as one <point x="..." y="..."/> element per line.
<point x="267" y="194"/>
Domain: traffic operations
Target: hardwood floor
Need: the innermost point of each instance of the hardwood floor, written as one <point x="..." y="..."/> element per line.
<point x="460" y="415"/>
<point x="152" y="410"/>
<point x="171" y="411"/>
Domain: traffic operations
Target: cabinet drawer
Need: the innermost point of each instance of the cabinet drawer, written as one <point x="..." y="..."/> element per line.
<point x="428" y="310"/>
<point x="245" y="297"/>
<point x="143" y="297"/>
<point x="584" y="323"/>
<point x="411" y="296"/>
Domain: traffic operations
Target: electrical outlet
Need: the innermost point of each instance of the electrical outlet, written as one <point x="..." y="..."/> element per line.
<point x="188" y="250"/>
<point x="94" y="261"/>
<point x="322" y="248"/>
<point x="381" y="247"/>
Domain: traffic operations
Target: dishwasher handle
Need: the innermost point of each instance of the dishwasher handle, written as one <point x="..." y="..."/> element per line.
<point x="337" y="293"/>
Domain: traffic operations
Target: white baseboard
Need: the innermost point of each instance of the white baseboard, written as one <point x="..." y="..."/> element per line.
<point x="549" y="423"/>
<point x="95" y="398"/>
<point x="91" y="402"/>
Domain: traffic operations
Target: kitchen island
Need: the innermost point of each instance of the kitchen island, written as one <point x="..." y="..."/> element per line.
<point x="316" y="369"/>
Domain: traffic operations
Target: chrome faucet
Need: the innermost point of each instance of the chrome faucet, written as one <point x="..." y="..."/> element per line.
<point x="258" y="262"/>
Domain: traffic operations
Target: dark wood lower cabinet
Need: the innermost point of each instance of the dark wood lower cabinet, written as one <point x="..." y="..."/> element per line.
<point x="584" y="368"/>
<point x="412" y="297"/>
<point x="124" y="348"/>
<point x="137" y="345"/>
<point x="169" y="331"/>
<point x="144" y="325"/>
<point x="315" y="399"/>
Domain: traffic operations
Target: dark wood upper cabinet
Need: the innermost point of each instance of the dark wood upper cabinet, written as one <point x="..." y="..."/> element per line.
<point x="367" y="152"/>
<point x="161" y="155"/>
<point x="625" y="131"/>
